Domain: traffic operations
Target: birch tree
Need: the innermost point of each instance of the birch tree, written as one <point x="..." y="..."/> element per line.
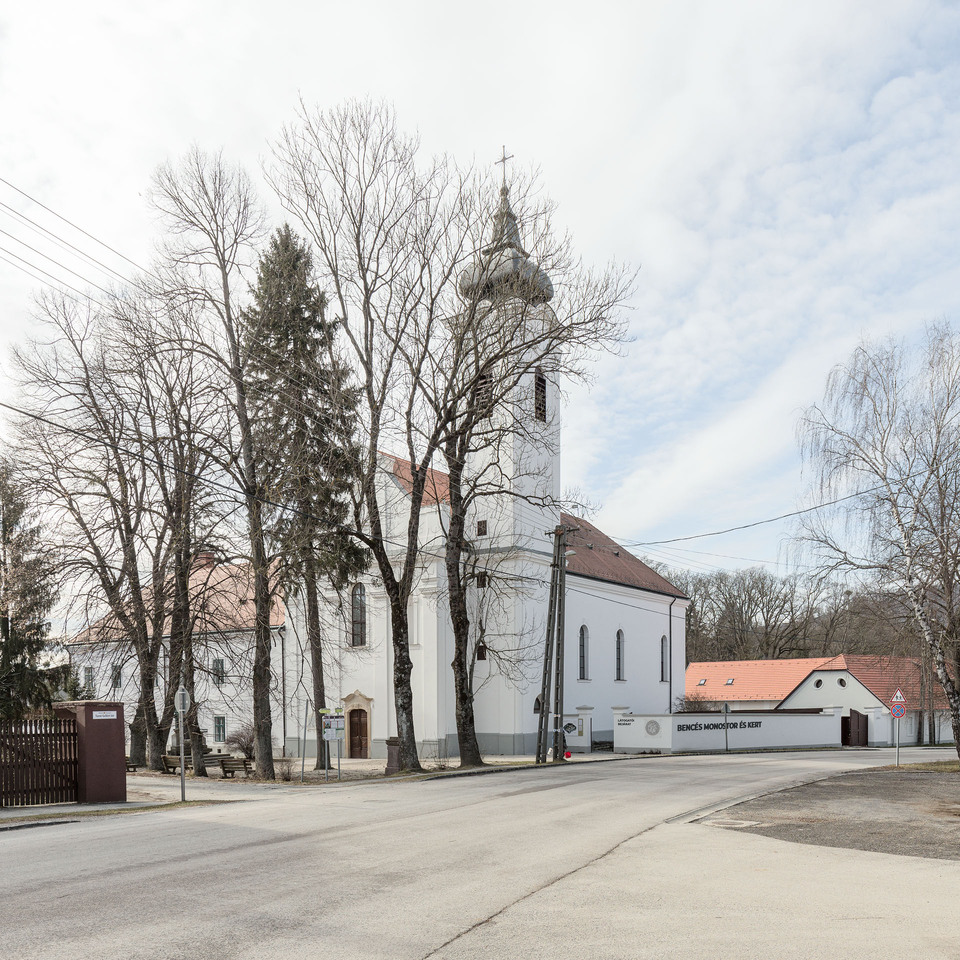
<point x="886" y="439"/>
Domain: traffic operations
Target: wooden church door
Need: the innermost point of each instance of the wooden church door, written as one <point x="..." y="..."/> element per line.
<point x="358" y="734"/>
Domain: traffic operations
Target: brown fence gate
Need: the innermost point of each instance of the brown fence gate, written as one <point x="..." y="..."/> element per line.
<point x="38" y="761"/>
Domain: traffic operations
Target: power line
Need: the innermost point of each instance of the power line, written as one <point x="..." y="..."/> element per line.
<point x="760" y="523"/>
<point x="106" y="246"/>
<point x="59" y="241"/>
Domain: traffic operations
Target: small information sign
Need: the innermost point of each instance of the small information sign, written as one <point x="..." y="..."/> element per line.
<point x="334" y="727"/>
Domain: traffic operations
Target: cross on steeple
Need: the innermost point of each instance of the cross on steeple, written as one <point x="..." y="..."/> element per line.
<point x="503" y="159"/>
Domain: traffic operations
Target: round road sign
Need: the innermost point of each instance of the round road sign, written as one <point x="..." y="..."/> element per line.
<point x="898" y="710"/>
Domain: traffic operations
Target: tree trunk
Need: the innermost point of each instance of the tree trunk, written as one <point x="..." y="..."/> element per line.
<point x="138" y="738"/>
<point x="315" y="643"/>
<point x="262" y="721"/>
<point x="403" y="692"/>
<point x="460" y="619"/>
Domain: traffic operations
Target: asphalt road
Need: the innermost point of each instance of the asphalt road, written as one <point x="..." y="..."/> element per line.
<point x="598" y="860"/>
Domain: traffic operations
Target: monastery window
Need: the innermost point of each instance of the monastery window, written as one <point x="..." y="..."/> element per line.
<point x="116" y="681"/>
<point x="818" y="683"/>
<point x="664" y="659"/>
<point x="481" y="651"/>
<point x="88" y="682"/>
<point x="481" y="528"/>
<point x="219" y="671"/>
<point x="537" y="705"/>
<point x="584" y="673"/>
<point x="219" y="729"/>
<point x="619" y="655"/>
<point x="841" y="682"/>
<point x="482" y="580"/>
<point x="540" y="396"/>
<point x="358" y="617"/>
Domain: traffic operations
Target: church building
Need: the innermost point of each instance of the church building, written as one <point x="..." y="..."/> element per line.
<point x="624" y="624"/>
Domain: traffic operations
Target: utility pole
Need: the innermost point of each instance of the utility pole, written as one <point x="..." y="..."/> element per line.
<point x="544" y="717"/>
<point x="558" y="738"/>
<point x="553" y="652"/>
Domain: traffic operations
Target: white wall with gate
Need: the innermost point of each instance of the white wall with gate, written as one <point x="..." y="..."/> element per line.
<point x="744" y="730"/>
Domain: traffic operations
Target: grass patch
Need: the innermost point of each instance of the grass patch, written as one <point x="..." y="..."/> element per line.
<point x="934" y="766"/>
<point x="71" y="813"/>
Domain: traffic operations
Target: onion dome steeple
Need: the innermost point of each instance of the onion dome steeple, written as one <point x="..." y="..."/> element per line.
<point x="504" y="269"/>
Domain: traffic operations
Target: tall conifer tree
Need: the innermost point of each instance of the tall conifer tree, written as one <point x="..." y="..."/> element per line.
<point x="27" y="592"/>
<point x="305" y="420"/>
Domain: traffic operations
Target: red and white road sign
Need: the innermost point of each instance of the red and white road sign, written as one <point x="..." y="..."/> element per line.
<point x="898" y="697"/>
<point x="898" y="710"/>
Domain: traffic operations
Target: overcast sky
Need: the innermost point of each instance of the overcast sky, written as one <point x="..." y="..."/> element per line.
<point x="784" y="174"/>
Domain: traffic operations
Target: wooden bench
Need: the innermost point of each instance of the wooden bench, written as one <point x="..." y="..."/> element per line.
<point x="171" y="764"/>
<point x="131" y="767"/>
<point x="230" y="765"/>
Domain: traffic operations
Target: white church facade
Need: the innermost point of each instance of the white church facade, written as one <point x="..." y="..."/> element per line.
<point x="623" y="638"/>
<point x="624" y="625"/>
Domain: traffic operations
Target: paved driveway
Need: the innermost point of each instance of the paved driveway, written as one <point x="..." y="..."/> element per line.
<point x="590" y="860"/>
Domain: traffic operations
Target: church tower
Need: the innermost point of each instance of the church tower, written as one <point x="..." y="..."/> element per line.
<point x="508" y="296"/>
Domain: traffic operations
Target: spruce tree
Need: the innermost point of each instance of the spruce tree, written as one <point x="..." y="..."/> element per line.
<point x="27" y="592"/>
<point x="304" y="424"/>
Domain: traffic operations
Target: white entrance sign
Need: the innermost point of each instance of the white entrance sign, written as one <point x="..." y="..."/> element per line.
<point x="747" y="730"/>
<point x="104" y="714"/>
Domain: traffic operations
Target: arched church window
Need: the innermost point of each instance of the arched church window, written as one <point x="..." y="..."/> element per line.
<point x="584" y="653"/>
<point x="481" y="651"/>
<point x="619" y="655"/>
<point x="358" y="617"/>
<point x="537" y="705"/>
<point x="664" y="659"/>
<point x="540" y="396"/>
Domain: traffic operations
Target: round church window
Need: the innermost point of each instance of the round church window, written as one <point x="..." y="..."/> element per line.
<point x="841" y="681"/>
<point x="818" y="683"/>
<point x="652" y="728"/>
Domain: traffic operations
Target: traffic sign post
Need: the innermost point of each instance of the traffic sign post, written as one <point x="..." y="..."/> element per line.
<point x="898" y="710"/>
<point x="181" y="701"/>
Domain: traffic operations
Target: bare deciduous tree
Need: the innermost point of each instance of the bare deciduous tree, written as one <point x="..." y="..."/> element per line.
<point x="886" y="439"/>
<point x="213" y="221"/>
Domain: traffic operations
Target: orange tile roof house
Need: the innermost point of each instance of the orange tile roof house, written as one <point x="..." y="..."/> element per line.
<point x="864" y="685"/>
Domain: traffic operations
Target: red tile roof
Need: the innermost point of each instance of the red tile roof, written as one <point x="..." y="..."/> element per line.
<point x="597" y="556"/>
<point x="776" y="679"/>
<point x="600" y="558"/>
<point x="437" y="487"/>
<point x="224" y="593"/>
<point x="752" y="679"/>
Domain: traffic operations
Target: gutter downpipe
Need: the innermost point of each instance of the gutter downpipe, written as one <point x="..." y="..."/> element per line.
<point x="670" y="655"/>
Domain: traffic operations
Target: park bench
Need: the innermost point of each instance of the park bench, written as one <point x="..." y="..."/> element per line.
<point x="131" y="767"/>
<point x="230" y="765"/>
<point x="171" y="764"/>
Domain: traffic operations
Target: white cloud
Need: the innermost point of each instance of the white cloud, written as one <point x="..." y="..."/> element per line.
<point x="783" y="173"/>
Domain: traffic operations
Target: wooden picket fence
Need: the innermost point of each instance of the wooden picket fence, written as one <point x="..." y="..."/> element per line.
<point x="38" y="761"/>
